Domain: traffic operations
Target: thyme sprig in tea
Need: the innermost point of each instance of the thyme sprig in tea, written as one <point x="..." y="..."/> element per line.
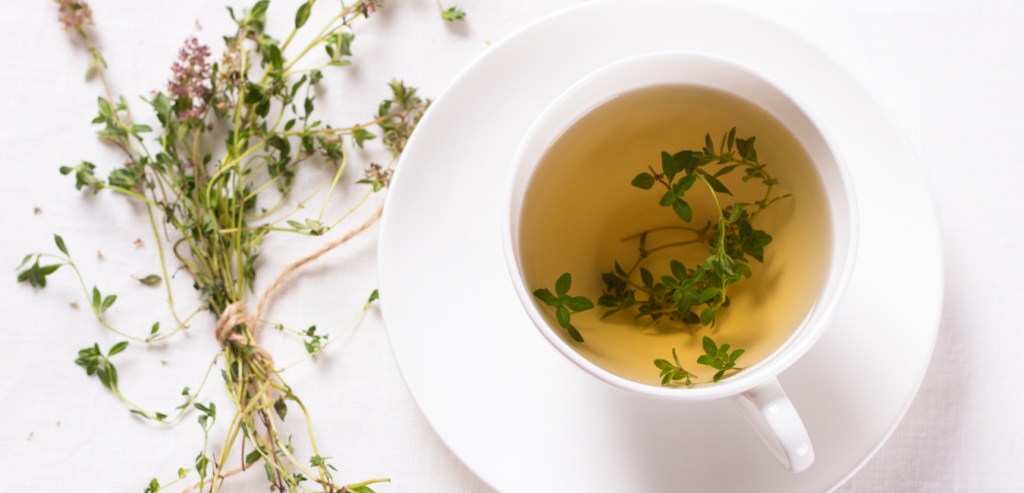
<point x="564" y="304"/>
<point x="693" y="295"/>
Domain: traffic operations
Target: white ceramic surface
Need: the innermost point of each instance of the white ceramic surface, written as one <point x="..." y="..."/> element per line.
<point x="519" y="414"/>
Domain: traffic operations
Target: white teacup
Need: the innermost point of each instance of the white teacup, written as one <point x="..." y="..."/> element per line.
<point x="756" y="390"/>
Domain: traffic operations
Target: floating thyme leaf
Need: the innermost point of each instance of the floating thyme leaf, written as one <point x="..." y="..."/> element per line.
<point x="719" y="358"/>
<point x="564" y="304"/>
<point x="673" y="373"/>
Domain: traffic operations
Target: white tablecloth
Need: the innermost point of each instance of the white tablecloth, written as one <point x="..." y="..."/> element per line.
<point x="950" y="72"/>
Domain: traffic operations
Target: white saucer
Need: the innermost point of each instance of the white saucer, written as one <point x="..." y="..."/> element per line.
<point x="522" y="416"/>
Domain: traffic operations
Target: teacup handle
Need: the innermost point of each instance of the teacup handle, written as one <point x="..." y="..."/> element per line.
<point x="777" y="424"/>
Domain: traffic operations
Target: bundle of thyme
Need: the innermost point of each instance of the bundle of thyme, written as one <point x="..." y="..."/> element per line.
<point x="205" y="201"/>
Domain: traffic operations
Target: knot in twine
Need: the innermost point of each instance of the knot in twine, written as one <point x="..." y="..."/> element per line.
<point x="234" y="315"/>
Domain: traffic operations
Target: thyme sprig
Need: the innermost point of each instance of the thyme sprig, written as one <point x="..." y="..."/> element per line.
<point x="208" y="200"/>
<point x="730" y="238"/>
<point x="716" y="357"/>
<point x="564" y="304"/>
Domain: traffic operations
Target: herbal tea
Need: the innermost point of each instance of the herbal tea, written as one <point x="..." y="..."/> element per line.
<point x="676" y="234"/>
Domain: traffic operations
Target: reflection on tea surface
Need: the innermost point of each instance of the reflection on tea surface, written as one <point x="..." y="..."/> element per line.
<point x="581" y="215"/>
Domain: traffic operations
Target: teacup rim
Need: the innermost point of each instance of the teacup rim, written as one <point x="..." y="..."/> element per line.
<point x="789" y="352"/>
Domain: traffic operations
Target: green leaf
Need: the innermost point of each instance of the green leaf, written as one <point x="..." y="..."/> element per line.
<point x="685" y="183"/>
<point x="670" y="281"/>
<point x="453" y="14"/>
<point x="253" y="457"/>
<point x="668" y="166"/>
<point x="707" y="294"/>
<point x="105" y="108"/>
<point x="708" y="315"/>
<point x="580" y="303"/>
<point x="543" y="294"/>
<point x="718" y="376"/>
<point x="736" y="354"/>
<point x="683" y="304"/>
<point x="96" y="299"/>
<point x="150" y="280"/>
<point x="618" y="269"/>
<point x="667" y="199"/>
<point x="273" y="55"/>
<point x="732" y="137"/>
<point x="360" y="135"/>
<point x="271" y="476"/>
<point x="118" y="348"/>
<point x="60" y="246"/>
<point x="373" y="296"/>
<point x="647" y="277"/>
<point x="682" y="209"/>
<point x="260" y="8"/>
<point x="737" y="210"/>
<point x="302" y="15"/>
<point x="663" y="364"/>
<point x="726" y="170"/>
<point x="562" y="314"/>
<point x="107" y="302"/>
<point x="715" y="184"/>
<point x="749" y="152"/>
<point x="678" y="269"/>
<point x="705" y="359"/>
<point x="644" y="181"/>
<point x="708" y="142"/>
<point x="296" y="224"/>
<point x="104" y="377"/>
<point x="709" y="346"/>
<point x="281" y="408"/>
<point x="563" y="284"/>
<point x="364" y="489"/>
<point x="683" y="160"/>
<point x="23" y="262"/>
<point x="575" y="334"/>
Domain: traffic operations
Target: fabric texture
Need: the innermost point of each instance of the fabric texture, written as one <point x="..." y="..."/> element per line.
<point x="950" y="73"/>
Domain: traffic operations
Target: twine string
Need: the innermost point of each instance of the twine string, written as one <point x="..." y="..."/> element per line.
<point x="235" y="314"/>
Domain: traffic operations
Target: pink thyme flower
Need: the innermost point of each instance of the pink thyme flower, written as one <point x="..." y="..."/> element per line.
<point x="190" y="73"/>
<point x="73" y="14"/>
